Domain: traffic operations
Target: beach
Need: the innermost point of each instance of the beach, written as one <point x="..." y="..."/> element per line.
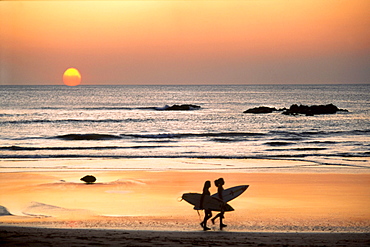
<point x="139" y="203"/>
<point x="116" y="117"/>
<point x="16" y="236"/>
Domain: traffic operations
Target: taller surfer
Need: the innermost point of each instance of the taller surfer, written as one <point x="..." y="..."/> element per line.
<point x="219" y="184"/>
<point x="207" y="212"/>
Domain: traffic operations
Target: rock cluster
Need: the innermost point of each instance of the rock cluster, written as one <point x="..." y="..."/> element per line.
<point x="298" y="109"/>
<point x="312" y="110"/>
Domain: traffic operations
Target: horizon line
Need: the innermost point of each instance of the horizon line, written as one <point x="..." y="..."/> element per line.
<point x="256" y="84"/>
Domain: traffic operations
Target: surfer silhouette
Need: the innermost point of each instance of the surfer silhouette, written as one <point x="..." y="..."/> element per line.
<point x="207" y="212"/>
<point x="219" y="183"/>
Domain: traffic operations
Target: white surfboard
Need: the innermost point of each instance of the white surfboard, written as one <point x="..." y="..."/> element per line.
<point x="209" y="202"/>
<point x="232" y="193"/>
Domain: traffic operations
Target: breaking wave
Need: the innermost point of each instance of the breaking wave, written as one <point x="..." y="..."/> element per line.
<point x="193" y="135"/>
<point x="218" y="136"/>
<point x="21" y="148"/>
<point x="75" y="137"/>
<point x="106" y="108"/>
<point x="127" y="120"/>
<point x="38" y="209"/>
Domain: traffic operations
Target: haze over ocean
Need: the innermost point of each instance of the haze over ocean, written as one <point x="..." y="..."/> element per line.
<point x="55" y="122"/>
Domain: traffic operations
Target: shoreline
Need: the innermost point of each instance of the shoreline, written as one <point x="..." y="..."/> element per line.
<point x="15" y="236"/>
<point x="150" y="199"/>
<point x="245" y="165"/>
<point x="298" y="205"/>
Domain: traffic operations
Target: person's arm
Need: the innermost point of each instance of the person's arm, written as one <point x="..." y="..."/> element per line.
<point x="219" y="191"/>
<point x="201" y="201"/>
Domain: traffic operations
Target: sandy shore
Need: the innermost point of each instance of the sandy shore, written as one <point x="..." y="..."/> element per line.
<point x="25" y="236"/>
<point x="144" y="207"/>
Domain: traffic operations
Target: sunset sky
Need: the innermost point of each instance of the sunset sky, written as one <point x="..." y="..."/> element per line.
<point x="185" y="42"/>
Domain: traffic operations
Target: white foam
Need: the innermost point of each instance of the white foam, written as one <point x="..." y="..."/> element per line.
<point x="38" y="209"/>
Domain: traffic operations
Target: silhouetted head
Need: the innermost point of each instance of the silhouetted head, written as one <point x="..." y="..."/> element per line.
<point x="207" y="184"/>
<point x="219" y="182"/>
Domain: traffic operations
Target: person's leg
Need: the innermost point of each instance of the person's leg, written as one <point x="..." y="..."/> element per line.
<point x="214" y="218"/>
<point x="222" y="225"/>
<point x="207" y="216"/>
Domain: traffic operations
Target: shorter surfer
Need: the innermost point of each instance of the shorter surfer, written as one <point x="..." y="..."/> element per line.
<point x="219" y="183"/>
<point x="207" y="212"/>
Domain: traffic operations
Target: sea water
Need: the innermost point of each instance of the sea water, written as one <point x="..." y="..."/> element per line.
<point x="103" y="122"/>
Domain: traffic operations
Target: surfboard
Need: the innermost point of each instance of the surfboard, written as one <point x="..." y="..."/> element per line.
<point x="209" y="202"/>
<point x="229" y="194"/>
<point x="232" y="193"/>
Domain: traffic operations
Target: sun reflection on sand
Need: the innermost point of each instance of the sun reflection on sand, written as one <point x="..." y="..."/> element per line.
<point x="276" y="199"/>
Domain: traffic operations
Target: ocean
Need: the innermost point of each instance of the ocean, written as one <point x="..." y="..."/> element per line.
<point x="112" y="122"/>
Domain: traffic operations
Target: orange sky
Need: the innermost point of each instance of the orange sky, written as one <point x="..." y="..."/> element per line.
<point x="186" y="42"/>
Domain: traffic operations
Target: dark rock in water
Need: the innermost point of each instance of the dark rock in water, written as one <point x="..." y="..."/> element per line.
<point x="185" y="107"/>
<point x="89" y="179"/>
<point x="261" y="109"/>
<point x="298" y="109"/>
<point x="312" y="110"/>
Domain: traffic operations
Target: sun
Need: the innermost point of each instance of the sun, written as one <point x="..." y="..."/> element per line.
<point x="72" y="77"/>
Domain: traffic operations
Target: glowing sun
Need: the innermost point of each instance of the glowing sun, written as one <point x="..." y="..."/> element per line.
<point x="72" y="77"/>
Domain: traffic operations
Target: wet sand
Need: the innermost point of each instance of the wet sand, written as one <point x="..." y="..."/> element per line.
<point x="144" y="208"/>
<point x="26" y="236"/>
